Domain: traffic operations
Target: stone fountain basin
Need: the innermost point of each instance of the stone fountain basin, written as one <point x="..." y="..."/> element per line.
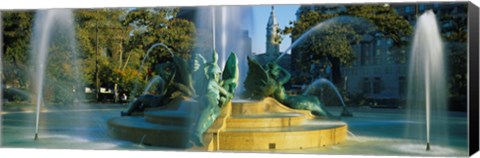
<point x="241" y="126"/>
<point x="269" y="125"/>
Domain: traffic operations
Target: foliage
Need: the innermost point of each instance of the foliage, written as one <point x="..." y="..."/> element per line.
<point x="160" y="25"/>
<point x="457" y="64"/>
<point x="115" y="41"/>
<point x="386" y="20"/>
<point x="335" y="42"/>
<point x="17" y="30"/>
<point x="455" y="40"/>
<point x="60" y="73"/>
<point x="128" y="78"/>
<point x="335" y="39"/>
<point x="101" y="37"/>
<point x="14" y="94"/>
<point x="151" y="26"/>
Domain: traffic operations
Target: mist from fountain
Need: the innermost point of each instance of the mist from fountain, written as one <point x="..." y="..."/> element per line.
<point x="145" y="57"/>
<point x="150" y="50"/>
<point x="315" y="87"/>
<point x="19" y="92"/>
<point x="427" y="86"/>
<point x="48" y="23"/>
<point x="223" y="28"/>
<point x="155" y="79"/>
<point x="320" y="83"/>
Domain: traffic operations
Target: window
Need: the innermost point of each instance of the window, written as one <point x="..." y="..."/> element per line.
<point x="408" y="9"/>
<point x="378" y="60"/>
<point x="365" y="49"/>
<point x="402" y="86"/>
<point x="402" y="57"/>
<point x="364" y="55"/>
<point x="390" y="42"/>
<point x="366" y="85"/>
<point x="367" y="53"/>
<point x="390" y="58"/>
<point x="377" y="85"/>
<point x="377" y="52"/>
<point x="421" y="7"/>
<point x="377" y="56"/>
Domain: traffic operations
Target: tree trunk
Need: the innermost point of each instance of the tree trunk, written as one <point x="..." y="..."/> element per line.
<point x="115" y="93"/>
<point x="336" y="72"/>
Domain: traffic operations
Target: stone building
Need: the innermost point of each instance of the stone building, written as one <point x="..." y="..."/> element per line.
<point x="380" y="71"/>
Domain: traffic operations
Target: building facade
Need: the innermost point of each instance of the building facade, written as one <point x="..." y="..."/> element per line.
<point x="380" y="70"/>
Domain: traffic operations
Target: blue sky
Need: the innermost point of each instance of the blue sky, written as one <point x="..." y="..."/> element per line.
<point x="284" y="14"/>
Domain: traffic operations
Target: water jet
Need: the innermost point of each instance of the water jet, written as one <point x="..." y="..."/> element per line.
<point x="427" y="86"/>
<point x="45" y="24"/>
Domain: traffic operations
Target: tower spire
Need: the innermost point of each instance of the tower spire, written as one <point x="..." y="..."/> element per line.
<point x="272" y="20"/>
<point x="272" y="33"/>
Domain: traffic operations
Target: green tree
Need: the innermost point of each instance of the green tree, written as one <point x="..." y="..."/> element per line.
<point x="60" y="75"/>
<point x="149" y="26"/>
<point x="335" y="42"/>
<point x="60" y="79"/>
<point x="332" y="41"/>
<point x="102" y="39"/>
<point x="114" y="41"/>
<point x="454" y="34"/>
<point x="17" y="30"/>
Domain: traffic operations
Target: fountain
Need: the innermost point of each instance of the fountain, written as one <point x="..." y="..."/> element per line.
<point x="182" y="99"/>
<point x="145" y="57"/>
<point x="236" y="121"/>
<point x="318" y="84"/>
<point x="156" y="79"/>
<point x="47" y="24"/>
<point x="179" y="114"/>
<point x="427" y="86"/>
<point x="360" y="26"/>
<point x="269" y="117"/>
<point x="266" y="124"/>
<point x="150" y="50"/>
<point x="224" y="24"/>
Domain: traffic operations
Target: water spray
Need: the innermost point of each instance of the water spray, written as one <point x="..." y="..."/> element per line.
<point x="427" y="100"/>
<point x="323" y="81"/>
<point x="44" y="24"/>
<point x="326" y="24"/>
<point x="213" y="27"/>
<point x="224" y="36"/>
<point x="427" y="61"/>
<point x="148" y="54"/>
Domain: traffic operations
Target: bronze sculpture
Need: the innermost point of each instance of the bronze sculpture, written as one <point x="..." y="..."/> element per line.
<point x="211" y="89"/>
<point x="268" y="81"/>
